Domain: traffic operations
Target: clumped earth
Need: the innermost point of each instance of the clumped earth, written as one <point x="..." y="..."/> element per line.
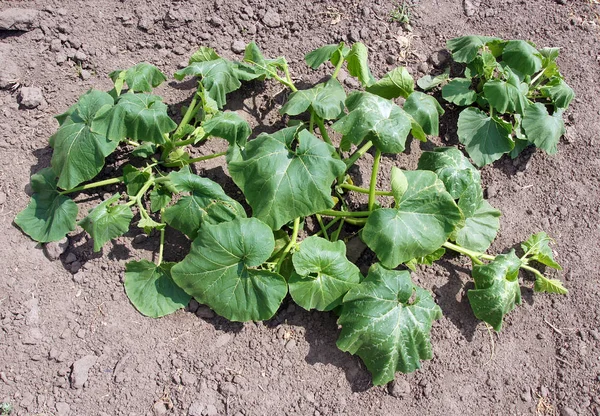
<point x="71" y="343"/>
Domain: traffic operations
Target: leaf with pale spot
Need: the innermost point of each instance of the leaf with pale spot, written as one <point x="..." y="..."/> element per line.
<point x="146" y="117"/>
<point x="396" y="83"/>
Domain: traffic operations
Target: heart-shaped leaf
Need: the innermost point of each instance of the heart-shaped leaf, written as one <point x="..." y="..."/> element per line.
<point x="396" y="83"/>
<point x="107" y="221"/>
<point x="146" y="117"/>
<point x="459" y="92"/>
<point x="425" y="110"/>
<point x="142" y="77"/>
<point x="465" y="48"/>
<point x="542" y="129"/>
<point x="522" y="57"/>
<point x="480" y="228"/>
<point x="326" y="99"/>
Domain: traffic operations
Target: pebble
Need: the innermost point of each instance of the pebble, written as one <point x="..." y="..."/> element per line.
<point x="145" y="24"/>
<point x="31" y="97"/>
<point x="188" y="379"/>
<point x="80" y="56"/>
<point x="469" y="7"/>
<point x="54" y="249"/>
<point x="2" y="198"/>
<point x="238" y="46"/>
<point x="75" y="266"/>
<point x="567" y="411"/>
<point x="291" y="345"/>
<point x="196" y="409"/>
<point x="439" y="59"/>
<point x="62" y="409"/>
<point x="60" y="58"/>
<point x="205" y="312"/>
<point x="56" y="45"/>
<point x="70" y="258"/>
<point x="399" y="388"/>
<point x="193" y="305"/>
<point x="18" y="19"/>
<point x="80" y="368"/>
<point x="160" y="408"/>
<point x="526" y="396"/>
<point x="216" y="21"/>
<point x="85" y="74"/>
<point x="272" y="19"/>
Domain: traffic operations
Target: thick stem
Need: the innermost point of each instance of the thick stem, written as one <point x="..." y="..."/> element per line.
<point x="329" y="225"/>
<point x="339" y="65"/>
<point x="162" y="243"/>
<point x="92" y="185"/>
<point x="474" y="255"/>
<point x="194" y="160"/>
<point x="311" y="123"/>
<point x="344" y="214"/>
<point x="356" y="155"/>
<point x="364" y="190"/>
<point x="290" y="244"/>
<point x="191" y="112"/>
<point x="373" y="183"/>
<point x="323" y="130"/>
<point x="356" y="221"/>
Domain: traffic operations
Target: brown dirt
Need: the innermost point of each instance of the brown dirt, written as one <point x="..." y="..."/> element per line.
<point x="545" y="361"/>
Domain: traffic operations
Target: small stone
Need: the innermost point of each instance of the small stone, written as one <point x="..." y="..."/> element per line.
<point x="81" y="333"/>
<point x="492" y="191"/>
<point x="187" y="378"/>
<point x="526" y="396"/>
<point x="205" y="312"/>
<point x="60" y="58"/>
<point x="567" y="411"/>
<point x="399" y="388"/>
<point x="113" y="50"/>
<point x="238" y="46"/>
<point x="80" y="56"/>
<point x="70" y="258"/>
<point x="178" y="50"/>
<point x="18" y="19"/>
<point x="75" y="266"/>
<point x="423" y="67"/>
<point x="272" y="19"/>
<point x="78" y="277"/>
<point x="216" y="21"/>
<point x="31" y="97"/>
<point x="196" y="409"/>
<point x="227" y="389"/>
<point x="145" y="24"/>
<point x="211" y="410"/>
<point x="56" y="45"/>
<point x="193" y="305"/>
<point x="54" y="249"/>
<point x="85" y="74"/>
<point x="390" y="59"/>
<point x="290" y="345"/>
<point x="80" y="368"/>
<point x="469" y="7"/>
<point x="544" y="391"/>
<point x="439" y="59"/>
<point x="62" y="409"/>
<point x="160" y="408"/>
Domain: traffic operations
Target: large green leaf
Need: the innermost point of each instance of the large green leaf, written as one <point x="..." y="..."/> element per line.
<point x="142" y="77"/>
<point x="333" y="53"/>
<point x="485" y="138"/>
<point x="286" y="175"/>
<point x="152" y="290"/>
<point x="49" y="216"/>
<point x="259" y="65"/>
<point x="496" y="290"/>
<point x="107" y="221"/>
<point x="79" y="152"/>
<point x="452" y="167"/>
<point x="480" y="228"/>
<point x="358" y="64"/>
<point x="537" y="247"/>
<point x="206" y="203"/>
<point x="374" y="118"/>
<point x="326" y="99"/>
<point x="218" y="76"/>
<point x="542" y="129"/>
<point x="396" y="83"/>
<point x="465" y="48"/>
<point x="386" y="321"/>
<point x="134" y="179"/>
<point x="419" y="224"/>
<point x="522" y="57"/>
<point x="559" y="92"/>
<point x="425" y="110"/>
<point x="219" y="270"/>
<point x="229" y="126"/>
<point x="459" y="92"/>
<point x="506" y="96"/>
<point x="322" y="275"/>
<point x="146" y="117"/>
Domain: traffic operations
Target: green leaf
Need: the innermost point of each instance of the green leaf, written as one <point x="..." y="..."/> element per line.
<point x="78" y="151"/>
<point x="522" y="57"/>
<point x="134" y="179"/>
<point x="396" y="83"/>
<point x="218" y="77"/>
<point x="496" y="290"/>
<point x="152" y="290"/>
<point x="480" y="228"/>
<point x="542" y="129"/>
<point x="49" y="216"/>
<point x="428" y="82"/>
<point x="374" y="118"/>
<point x="485" y="138"/>
<point x="327" y="100"/>
<point x="107" y="221"/>
<point x="322" y="275"/>
<point x="385" y="326"/>
<point x="323" y="54"/>
<point x="262" y="67"/>
<point x="148" y="224"/>
<point x="204" y="54"/>
<point x="399" y="183"/>
<point x="286" y="175"/>
<point x="144" y="150"/>
<point x="505" y="96"/>
<point x="537" y="247"/>
<point x="452" y="167"/>
<point x="543" y="284"/>
<point x="110" y="123"/>
<point x="146" y="117"/>
<point x="459" y="92"/>
<point x="419" y="224"/>
<point x="559" y="92"/>
<point x="219" y="270"/>
<point x="229" y="126"/>
<point x="425" y="110"/>
<point x="160" y="197"/>
<point x="142" y="77"/>
<point x="206" y="203"/>
<point x="465" y="48"/>
<point x="427" y="260"/>
<point x="358" y="65"/>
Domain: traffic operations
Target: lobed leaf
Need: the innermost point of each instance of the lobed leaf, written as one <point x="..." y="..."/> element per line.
<point x="49" y="216"/>
<point x="425" y="110"/>
<point x="107" y="221"/>
<point x="537" y="247"/>
<point x="542" y="129"/>
<point x="465" y="48"/>
<point x="384" y="326"/>
<point x="545" y="285"/>
<point x="142" y="77"/>
<point x="326" y="99"/>
<point x="323" y="274"/>
<point x="358" y="65"/>
<point x="286" y="175"/>
<point x="559" y="92"/>
<point x="497" y="290"/>
<point x="220" y="270"/>
<point x="419" y="224"/>
<point x="396" y="83"/>
<point x="229" y="126"/>
<point x="151" y="288"/>
<point x="459" y="92"/>
<point x="506" y="96"/>
<point x="146" y="117"/>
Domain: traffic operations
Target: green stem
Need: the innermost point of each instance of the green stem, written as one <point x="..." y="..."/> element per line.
<point x="92" y="185"/>
<point x="364" y="190"/>
<point x="344" y="214"/>
<point x="373" y="183"/>
<point x="323" y="229"/>
<point x="132" y="143"/>
<point x="329" y="225"/>
<point x="290" y="244"/>
<point x="475" y="256"/>
<point x="311" y="123"/>
<point x="356" y="221"/>
<point x="323" y="130"/>
<point x="191" y="140"/>
<point x="162" y="242"/>
<point x="194" y="160"/>
<point x="290" y="83"/>
<point x="356" y="155"/>
<point x="537" y="77"/>
<point x="336" y="235"/>
<point x="191" y="112"/>
<point x="339" y="65"/>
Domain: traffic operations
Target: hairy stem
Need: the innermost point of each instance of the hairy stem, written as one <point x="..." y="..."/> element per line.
<point x="290" y="244"/>
<point x="475" y="256"/>
<point x="373" y="183"/>
<point x="338" y="67"/>
<point x="92" y="185"/>
<point x="364" y="190"/>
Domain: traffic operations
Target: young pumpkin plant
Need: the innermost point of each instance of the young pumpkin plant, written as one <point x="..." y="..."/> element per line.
<point x="244" y="267"/>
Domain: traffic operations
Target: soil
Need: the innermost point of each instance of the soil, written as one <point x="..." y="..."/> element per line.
<point x="72" y="344"/>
